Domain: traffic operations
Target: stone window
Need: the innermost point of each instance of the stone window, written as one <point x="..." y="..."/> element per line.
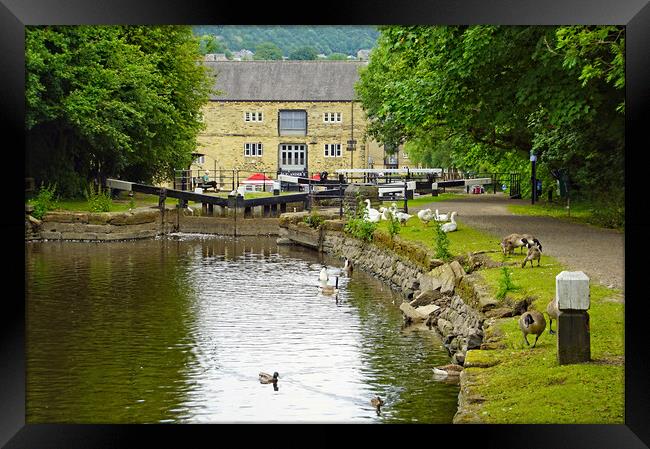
<point x="252" y="116"/>
<point x="332" y="117"/>
<point x="332" y="150"/>
<point x="293" y="122"/>
<point x="252" y="149"/>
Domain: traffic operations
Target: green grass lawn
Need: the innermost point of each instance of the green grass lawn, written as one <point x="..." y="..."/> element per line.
<point x="578" y="213"/>
<point x="528" y="385"/>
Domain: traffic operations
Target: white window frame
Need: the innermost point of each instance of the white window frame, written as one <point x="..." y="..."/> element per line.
<point x="293" y="116"/>
<point x="332" y="117"/>
<point x="255" y="116"/>
<point x="332" y="150"/>
<point x="253" y="149"/>
<point x="200" y="160"/>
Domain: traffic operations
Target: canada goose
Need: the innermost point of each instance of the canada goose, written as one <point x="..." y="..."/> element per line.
<point x="532" y="322"/>
<point x="330" y="289"/>
<point x="402" y="217"/>
<point x="512" y="241"/>
<point x="377" y="402"/>
<point x="372" y="215"/>
<point x="553" y="311"/>
<point x="441" y="217"/>
<point x="534" y="252"/>
<point x="452" y="226"/>
<point x="448" y="370"/>
<point x="348" y="267"/>
<point x="426" y="215"/>
<point x="268" y="379"/>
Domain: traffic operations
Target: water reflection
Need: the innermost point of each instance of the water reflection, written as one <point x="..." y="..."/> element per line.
<point x="177" y="330"/>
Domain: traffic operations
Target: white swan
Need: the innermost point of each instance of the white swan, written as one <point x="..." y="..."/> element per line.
<point x="441" y="217"/>
<point x="426" y="215"/>
<point x="373" y="215"/>
<point x="450" y="227"/>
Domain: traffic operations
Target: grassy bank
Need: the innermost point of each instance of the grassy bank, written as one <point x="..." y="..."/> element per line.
<point x="525" y="385"/>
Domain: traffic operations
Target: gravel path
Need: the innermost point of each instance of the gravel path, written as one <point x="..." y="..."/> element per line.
<point x="597" y="252"/>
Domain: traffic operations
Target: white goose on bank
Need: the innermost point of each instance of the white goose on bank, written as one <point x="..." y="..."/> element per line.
<point x="373" y="214"/>
<point x="452" y="226"/>
<point x="426" y="215"/>
<point x="441" y="217"/>
<point x="402" y="217"/>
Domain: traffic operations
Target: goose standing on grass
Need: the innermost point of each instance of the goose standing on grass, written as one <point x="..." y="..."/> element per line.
<point x="426" y="215"/>
<point x="452" y="226"/>
<point x="385" y="213"/>
<point x="402" y="217"/>
<point x="377" y="402"/>
<point x="532" y="322"/>
<point x="441" y="217"/>
<point x="373" y="215"/>
<point x="393" y="208"/>
<point x="534" y="252"/>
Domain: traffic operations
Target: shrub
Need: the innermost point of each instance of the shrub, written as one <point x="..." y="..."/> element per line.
<point x="393" y="226"/>
<point x="44" y="201"/>
<point x="98" y="200"/>
<point x="505" y="283"/>
<point x="313" y="220"/>
<point x="442" y="243"/>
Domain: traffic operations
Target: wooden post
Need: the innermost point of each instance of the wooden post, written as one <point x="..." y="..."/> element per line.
<point x="573" y="340"/>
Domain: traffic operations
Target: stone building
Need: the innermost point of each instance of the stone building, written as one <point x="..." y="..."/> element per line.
<point x="292" y="117"/>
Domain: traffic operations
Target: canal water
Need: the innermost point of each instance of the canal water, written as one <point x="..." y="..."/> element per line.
<point x="176" y="330"/>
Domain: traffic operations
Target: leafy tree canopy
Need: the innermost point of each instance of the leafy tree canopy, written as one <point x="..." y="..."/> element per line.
<point x="267" y="51"/>
<point x="488" y="95"/>
<point x="121" y="101"/>
<point x="303" y="54"/>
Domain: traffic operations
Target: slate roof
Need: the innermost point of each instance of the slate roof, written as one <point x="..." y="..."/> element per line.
<point x="286" y="80"/>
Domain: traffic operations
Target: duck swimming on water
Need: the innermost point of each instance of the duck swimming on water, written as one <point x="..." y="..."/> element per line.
<point x="268" y="379"/>
<point x="377" y="402"/>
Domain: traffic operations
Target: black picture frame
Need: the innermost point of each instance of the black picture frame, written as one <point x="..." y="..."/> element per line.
<point x="16" y="14"/>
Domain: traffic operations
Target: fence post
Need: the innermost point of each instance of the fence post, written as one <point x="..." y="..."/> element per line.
<point x="572" y="296"/>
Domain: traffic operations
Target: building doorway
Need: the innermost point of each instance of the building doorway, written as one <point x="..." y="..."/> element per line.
<point x="292" y="159"/>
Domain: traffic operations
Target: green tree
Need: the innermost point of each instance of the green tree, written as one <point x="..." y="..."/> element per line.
<point x="337" y="57"/>
<point x="267" y="51"/>
<point x="303" y="54"/>
<point x="120" y="101"/>
<point x="488" y="95"/>
<point x="211" y="44"/>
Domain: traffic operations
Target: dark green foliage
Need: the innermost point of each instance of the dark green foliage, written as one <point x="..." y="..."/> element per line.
<point x="346" y="40"/>
<point x="482" y="97"/>
<point x="44" y="201"/>
<point x="303" y="54"/>
<point x="267" y="51"/>
<point x="442" y="242"/>
<point x="314" y="219"/>
<point x="111" y="101"/>
<point x="99" y="200"/>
